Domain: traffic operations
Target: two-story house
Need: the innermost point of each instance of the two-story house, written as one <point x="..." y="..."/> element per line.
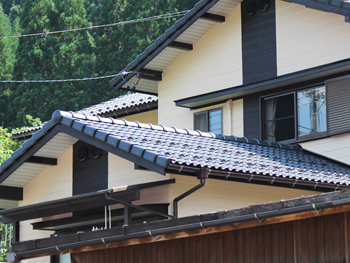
<point x="254" y="78"/>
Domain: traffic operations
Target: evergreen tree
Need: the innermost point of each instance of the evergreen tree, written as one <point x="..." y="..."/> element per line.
<point x="118" y="45"/>
<point x="52" y="56"/>
<point x="7" y="59"/>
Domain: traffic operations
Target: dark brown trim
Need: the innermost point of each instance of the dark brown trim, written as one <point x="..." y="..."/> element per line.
<point x="29" y="152"/>
<point x="11" y="193"/>
<point x="109" y="148"/>
<point x="181" y="45"/>
<point x="66" y="205"/>
<point x="257" y="215"/>
<point x="213" y="17"/>
<point x="42" y="160"/>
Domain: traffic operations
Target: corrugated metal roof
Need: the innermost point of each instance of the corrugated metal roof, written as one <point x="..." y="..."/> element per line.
<point x="164" y="146"/>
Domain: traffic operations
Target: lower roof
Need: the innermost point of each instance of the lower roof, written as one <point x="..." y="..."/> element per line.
<point x="171" y="150"/>
<point x="77" y="202"/>
<point x="314" y="206"/>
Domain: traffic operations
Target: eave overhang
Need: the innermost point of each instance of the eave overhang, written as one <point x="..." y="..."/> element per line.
<point x="304" y="77"/>
<point x="177" y="39"/>
<point x="257" y="215"/>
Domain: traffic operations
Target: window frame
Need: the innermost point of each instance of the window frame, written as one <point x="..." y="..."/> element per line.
<point x="207" y="113"/>
<point x="295" y="92"/>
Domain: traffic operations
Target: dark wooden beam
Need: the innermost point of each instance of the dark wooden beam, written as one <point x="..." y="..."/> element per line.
<point x="150" y="74"/>
<point x="11" y="193"/>
<point x="181" y="45"/>
<point x="42" y="160"/>
<point x="213" y="17"/>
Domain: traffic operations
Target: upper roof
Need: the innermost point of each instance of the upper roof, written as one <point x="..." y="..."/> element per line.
<point x="131" y="103"/>
<point x="175" y="41"/>
<point x="120" y="106"/>
<point x="187" y="30"/>
<point x="164" y="149"/>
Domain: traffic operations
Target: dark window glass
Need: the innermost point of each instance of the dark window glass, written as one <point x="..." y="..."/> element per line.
<point x="201" y="121"/>
<point x="209" y="121"/>
<point x="279" y="118"/>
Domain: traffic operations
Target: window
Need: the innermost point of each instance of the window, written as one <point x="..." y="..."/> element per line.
<point x="209" y="121"/>
<point x="295" y="115"/>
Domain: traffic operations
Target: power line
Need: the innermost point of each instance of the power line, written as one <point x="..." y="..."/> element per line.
<point x="61" y="80"/>
<point x="175" y="14"/>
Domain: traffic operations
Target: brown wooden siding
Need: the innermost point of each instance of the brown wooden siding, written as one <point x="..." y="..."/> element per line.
<point x="320" y="239"/>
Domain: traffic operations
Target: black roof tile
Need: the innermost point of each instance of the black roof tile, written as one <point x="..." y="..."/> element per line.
<point x="164" y="145"/>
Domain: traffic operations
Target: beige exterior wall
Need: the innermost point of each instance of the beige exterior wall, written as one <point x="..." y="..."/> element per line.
<point x="237" y="127"/>
<point x="308" y="38"/>
<point x="144" y="117"/>
<point x="335" y="147"/>
<point x="121" y="172"/>
<point x="214" y="63"/>
<point x="224" y="195"/>
<point x="54" y="182"/>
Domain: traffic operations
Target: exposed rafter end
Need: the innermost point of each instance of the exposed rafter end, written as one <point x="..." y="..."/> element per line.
<point x="42" y="160"/>
<point x="150" y="74"/>
<point x="11" y="193"/>
<point x="181" y="45"/>
<point x="213" y="17"/>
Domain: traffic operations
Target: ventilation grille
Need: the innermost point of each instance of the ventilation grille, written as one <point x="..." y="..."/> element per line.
<point x="338" y="104"/>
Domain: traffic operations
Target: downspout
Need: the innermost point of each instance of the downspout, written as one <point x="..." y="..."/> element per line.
<point x="202" y="174"/>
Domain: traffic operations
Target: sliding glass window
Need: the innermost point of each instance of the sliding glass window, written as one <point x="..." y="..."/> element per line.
<point x="294" y="115"/>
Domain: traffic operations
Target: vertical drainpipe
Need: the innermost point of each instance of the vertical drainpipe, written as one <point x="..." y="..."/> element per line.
<point x="229" y="104"/>
<point x="202" y="175"/>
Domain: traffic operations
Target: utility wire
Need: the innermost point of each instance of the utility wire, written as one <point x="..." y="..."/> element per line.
<point x="175" y="14"/>
<point x="61" y="80"/>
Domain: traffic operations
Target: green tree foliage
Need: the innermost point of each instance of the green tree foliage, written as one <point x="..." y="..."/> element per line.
<point x="7" y="60"/>
<point x="118" y="45"/>
<point x="53" y="56"/>
<point x="79" y="54"/>
<point x="7" y="144"/>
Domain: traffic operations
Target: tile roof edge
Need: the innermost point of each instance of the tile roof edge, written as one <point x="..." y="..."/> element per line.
<point x="36" y="136"/>
<point x="181" y="131"/>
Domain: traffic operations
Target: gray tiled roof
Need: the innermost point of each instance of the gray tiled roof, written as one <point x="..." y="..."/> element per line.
<point x="128" y="104"/>
<point x="164" y="146"/>
<point x="123" y="102"/>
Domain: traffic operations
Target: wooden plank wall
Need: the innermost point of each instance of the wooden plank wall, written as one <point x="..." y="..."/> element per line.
<point x="321" y="239"/>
